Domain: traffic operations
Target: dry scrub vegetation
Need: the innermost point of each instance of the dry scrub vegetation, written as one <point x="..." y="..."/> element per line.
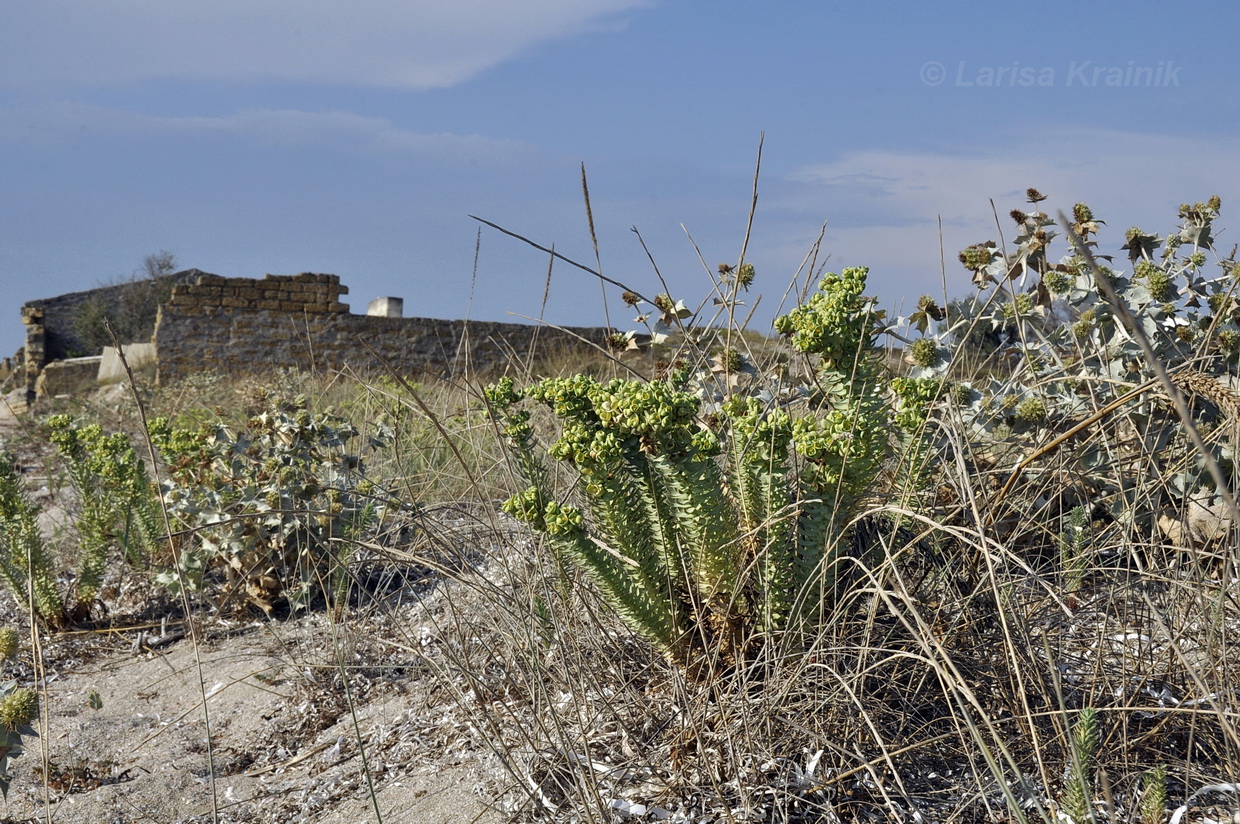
<point x="987" y="575"/>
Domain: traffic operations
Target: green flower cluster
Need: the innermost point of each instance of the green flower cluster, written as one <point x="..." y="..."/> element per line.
<point x="1084" y="325"/>
<point x="553" y="518"/>
<point x="978" y="256"/>
<point x="1157" y="280"/>
<point x="914" y="397"/>
<point x="101" y="460"/>
<point x="844" y="449"/>
<point x="763" y="434"/>
<point x="836" y="323"/>
<point x="1229" y="341"/>
<point x="19" y="706"/>
<point x="602" y="421"/>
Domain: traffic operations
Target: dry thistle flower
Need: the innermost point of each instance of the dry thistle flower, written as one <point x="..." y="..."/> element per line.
<point x="631" y="298"/>
<point x="927" y="304"/>
<point x="1056" y="282"/>
<point x="1031" y="411"/>
<point x="745" y="275"/>
<point x="1158" y="283"/>
<point x="1034" y="195"/>
<point x="924" y="352"/>
<point x="19" y="708"/>
<point x="977" y="256"/>
<point x="730" y="360"/>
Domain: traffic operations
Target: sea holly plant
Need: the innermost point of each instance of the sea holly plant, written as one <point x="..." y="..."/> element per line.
<point x="712" y="527"/>
<point x="1059" y="350"/>
<point x="275" y="508"/>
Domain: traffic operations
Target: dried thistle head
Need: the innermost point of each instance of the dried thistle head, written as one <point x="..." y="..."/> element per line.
<point x="924" y="352"/>
<point x="927" y="304"/>
<point x="19" y="708"/>
<point x="745" y="275"/>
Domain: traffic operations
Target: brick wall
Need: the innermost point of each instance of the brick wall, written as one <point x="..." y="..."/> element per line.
<point x="305" y="293"/>
<point x="245" y="326"/>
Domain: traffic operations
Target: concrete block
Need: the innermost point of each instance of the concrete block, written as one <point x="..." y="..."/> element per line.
<point x="67" y="377"/>
<point x="141" y="356"/>
<point x="386" y="308"/>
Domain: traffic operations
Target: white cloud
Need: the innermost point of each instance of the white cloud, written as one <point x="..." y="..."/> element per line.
<point x="411" y="44"/>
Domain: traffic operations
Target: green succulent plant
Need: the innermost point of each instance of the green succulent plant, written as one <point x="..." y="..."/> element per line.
<point x="711" y="533"/>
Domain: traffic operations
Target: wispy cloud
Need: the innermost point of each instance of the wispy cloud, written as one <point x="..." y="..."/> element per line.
<point x="884" y="207"/>
<point x="1069" y="164"/>
<point x="48" y="125"/>
<point x="410" y="44"/>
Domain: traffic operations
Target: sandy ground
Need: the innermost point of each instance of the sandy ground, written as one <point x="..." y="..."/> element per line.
<point x="293" y="733"/>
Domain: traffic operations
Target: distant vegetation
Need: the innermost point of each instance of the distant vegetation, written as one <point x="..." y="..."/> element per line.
<point x="132" y="313"/>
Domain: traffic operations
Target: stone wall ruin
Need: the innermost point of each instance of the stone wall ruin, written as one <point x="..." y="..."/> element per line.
<point x="236" y="326"/>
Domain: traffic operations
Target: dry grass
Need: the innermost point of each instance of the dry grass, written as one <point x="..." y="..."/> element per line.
<point x="942" y="687"/>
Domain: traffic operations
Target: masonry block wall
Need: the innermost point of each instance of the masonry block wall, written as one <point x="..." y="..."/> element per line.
<point x="246" y="326"/>
<point x="308" y="293"/>
<point x="51" y="333"/>
<point x="54" y="319"/>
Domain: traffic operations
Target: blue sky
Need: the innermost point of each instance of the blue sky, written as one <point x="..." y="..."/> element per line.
<point x="280" y="136"/>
